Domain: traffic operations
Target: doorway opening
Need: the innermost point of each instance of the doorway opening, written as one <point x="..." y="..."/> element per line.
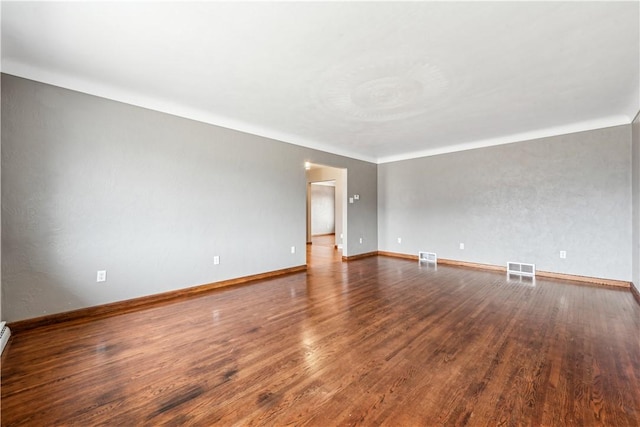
<point x="326" y="213"/>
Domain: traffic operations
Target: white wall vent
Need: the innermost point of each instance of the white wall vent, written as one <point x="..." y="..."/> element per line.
<point x="5" y="333"/>
<point x="521" y="269"/>
<point x="427" y="257"/>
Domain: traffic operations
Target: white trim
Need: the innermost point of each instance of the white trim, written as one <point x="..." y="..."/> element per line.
<point x="518" y="137"/>
<point x="113" y="93"/>
<point x="10" y="66"/>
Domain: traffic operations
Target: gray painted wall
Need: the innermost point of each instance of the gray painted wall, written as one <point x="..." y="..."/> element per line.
<point x="323" y="209"/>
<point x="635" y="252"/>
<point x="518" y="202"/>
<point x="91" y="184"/>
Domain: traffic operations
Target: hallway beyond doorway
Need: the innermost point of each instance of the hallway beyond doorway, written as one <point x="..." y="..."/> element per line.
<point x="322" y="251"/>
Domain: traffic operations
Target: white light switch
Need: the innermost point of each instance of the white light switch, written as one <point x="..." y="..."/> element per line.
<point x="350" y="199"/>
<point x="563" y="254"/>
<point x="399" y="239"/>
<point x="461" y="245"/>
<point x="293" y="249"/>
<point x="216" y="260"/>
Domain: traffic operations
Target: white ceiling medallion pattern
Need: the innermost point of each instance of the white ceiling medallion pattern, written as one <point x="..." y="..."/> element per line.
<point x="382" y="89"/>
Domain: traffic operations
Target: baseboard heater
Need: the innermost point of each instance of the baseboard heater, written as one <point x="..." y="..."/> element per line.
<point x="521" y="269"/>
<point x="430" y="257"/>
<point x="5" y="333"/>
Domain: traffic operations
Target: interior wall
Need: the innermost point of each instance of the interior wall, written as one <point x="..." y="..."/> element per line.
<point x="91" y="184"/>
<point x="522" y="202"/>
<point x="1" y="288"/>
<point x="635" y="194"/>
<point x="323" y="207"/>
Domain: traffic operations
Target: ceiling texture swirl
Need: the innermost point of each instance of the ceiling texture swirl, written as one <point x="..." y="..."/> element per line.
<point x="377" y="81"/>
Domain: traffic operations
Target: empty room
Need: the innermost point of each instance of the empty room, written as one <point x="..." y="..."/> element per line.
<point x="320" y="213"/>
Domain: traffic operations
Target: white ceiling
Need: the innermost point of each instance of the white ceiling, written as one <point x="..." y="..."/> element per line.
<point x="376" y="81"/>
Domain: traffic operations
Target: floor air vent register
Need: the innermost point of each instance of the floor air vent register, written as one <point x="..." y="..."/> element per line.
<point x="429" y="257"/>
<point x="521" y="269"/>
<point x="5" y="333"/>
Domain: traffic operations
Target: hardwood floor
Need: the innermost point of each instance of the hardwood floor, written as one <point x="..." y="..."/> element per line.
<point x="322" y="252"/>
<point x="378" y="341"/>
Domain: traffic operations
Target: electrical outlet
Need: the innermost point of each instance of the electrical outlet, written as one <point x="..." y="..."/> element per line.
<point x="461" y="245"/>
<point x="399" y="239"/>
<point x="361" y="240"/>
<point x="350" y="199"/>
<point x="563" y="254"/>
<point x="216" y="260"/>
<point x="293" y="249"/>
<point x="101" y="276"/>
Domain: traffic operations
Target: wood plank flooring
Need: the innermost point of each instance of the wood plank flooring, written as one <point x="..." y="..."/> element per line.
<point x="378" y="341"/>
